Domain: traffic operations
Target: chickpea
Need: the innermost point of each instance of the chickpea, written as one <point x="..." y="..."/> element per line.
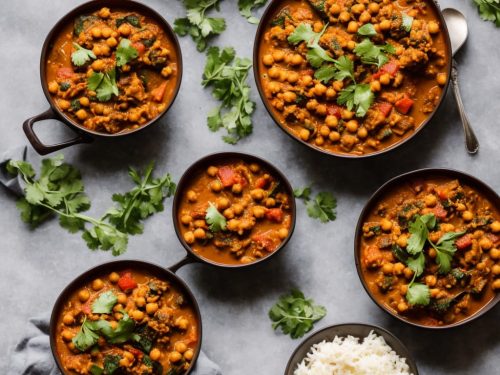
<point x="67" y="335"/>
<point x="140" y="301"/>
<point x="496" y="269"/>
<point x="97" y="284"/>
<point x="408" y="272"/>
<point x="496" y="284"/>
<point x="358" y="8"/>
<point x="124" y="29"/>
<point x="385" y="25"/>
<point x="270" y="202"/>
<point x="319" y="141"/>
<point x="495" y="253"/>
<point x="188" y="355"/>
<point x="467" y="215"/>
<point x="124" y="362"/>
<point x="186" y="219"/>
<point x="432" y="253"/>
<point x="268" y="60"/>
<point x="96" y="32"/>
<point x="385" y="79"/>
<point x="330" y="93"/>
<point x="68" y="319"/>
<point x="180" y="347"/>
<point x="362" y="133"/>
<point x="212" y="171"/>
<point x="114" y="277"/>
<point x="111" y="41"/>
<point x="495" y="226"/>
<point x="433" y="27"/>
<point x="324" y="131"/>
<point x="257" y="194"/>
<point x="352" y="126"/>
<point x="399" y="268"/>
<point x="81" y="114"/>
<point x="254" y="168"/>
<point x="189" y="237"/>
<point x="319" y="89"/>
<point x="402" y="241"/>
<point x="53" y="87"/>
<point x="375" y="86"/>
<point x="461" y="207"/>
<point x="430" y="280"/>
<point x="289" y="97"/>
<point x="335" y="9"/>
<point x="216" y="186"/>
<point x="334" y="136"/>
<point x="346" y="114"/>
<point x="293" y="77"/>
<point x="373" y="8"/>
<point x="199" y="233"/>
<point x="283" y="233"/>
<point x="182" y="323"/>
<point x="430" y="200"/>
<point x="222" y="203"/>
<point x="138" y="315"/>
<point x="237" y="208"/>
<point x="118" y="307"/>
<point x="174" y="356"/>
<point x="344" y="16"/>
<point x="278" y="55"/>
<point x="386" y="225"/>
<point x="122" y="298"/>
<point x="296" y="60"/>
<point x="83" y="295"/>
<point x="387" y="268"/>
<point x="485" y="243"/>
<point x="151" y="308"/>
<point x="274" y="72"/>
<point x="304" y="134"/>
<point x="155" y="354"/>
<point x="64" y="104"/>
<point x="352" y="27"/>
<point x="104" y="12"/>
<point x="233" y="224"/>
<point x="306" y="80"/>
<point x="365" y="17"/>
<point x="321" y="109"/>
<point x="191" y="196"/>
<point x="402" y="307"/>
<point x="258" y="211"/>
<point x="331" y="121"/>
<point x="441" y="79"/>
<point x="84" y="101"/>
<point x="166" y="71"/>
<point x="228" y="213"/>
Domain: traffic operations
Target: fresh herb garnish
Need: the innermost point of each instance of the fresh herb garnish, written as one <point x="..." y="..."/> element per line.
<point x="197" y="24"/>
<point x="87" y="336"/>
<point x="295" y="314"/>
<point x="367" y="30"/>
<point x="418" y="294"/>
<point x="215" y="219"/>
<point x="96" y="370"/>
<point x="407" y="22"/>
<point x="341" y="69"/>
<point x="372" y="54"/>
<point x="316" y="55"/>
<point x="81" y="55"/>
<point x="104" y="303"/>
<point x="130" y="19"/>
<point x="228" y="74"/>
<point x="358" y="97"/>
<point x="322" y="207"/>
<point x="125" y="52"/>
<point x="59" y="190"/>
<point x="104" y="84"/>
<point x="489" y="10"/>
<point x="246" y="7"/>
<point x="111" y="363"/>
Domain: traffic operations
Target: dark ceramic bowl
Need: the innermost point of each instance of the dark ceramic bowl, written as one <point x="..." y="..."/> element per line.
<point x="342" y="330"/>
<point x="270" y="11"/>
<point x="202" y="164"/>
<point x="85" y="135"/>
<point x="421" y="174"/>
<point x="166" y="274"/>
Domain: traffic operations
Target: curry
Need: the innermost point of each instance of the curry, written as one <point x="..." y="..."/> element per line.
<point x="127" y="322"/>
<point x="234" y="212"/>
<point x="430" y="251"/>
<point x="112" y="71"/>
<point x="353" y="77"/>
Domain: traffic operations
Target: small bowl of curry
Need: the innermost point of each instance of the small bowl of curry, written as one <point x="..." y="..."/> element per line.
<point x="352" y="78"/>
<point x="127" y="317"/>
<point x="427" y="248"/>
<point x="233" y="210"/>
<point x="108" y="68"/>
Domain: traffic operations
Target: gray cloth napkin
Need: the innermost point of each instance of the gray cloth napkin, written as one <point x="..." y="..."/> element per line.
<point x="32" y="356"/>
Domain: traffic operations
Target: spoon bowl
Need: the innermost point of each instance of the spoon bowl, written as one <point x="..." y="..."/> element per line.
<point x="457" y="26"/>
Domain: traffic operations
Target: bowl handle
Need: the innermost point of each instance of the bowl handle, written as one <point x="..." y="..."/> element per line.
<point x="43" y="149"/>
<point x="188" y="259"/>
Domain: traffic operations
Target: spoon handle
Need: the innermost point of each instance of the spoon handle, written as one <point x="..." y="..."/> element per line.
<point x="471" y="142"/>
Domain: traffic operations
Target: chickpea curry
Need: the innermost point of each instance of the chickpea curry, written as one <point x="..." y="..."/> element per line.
<point x="234" y="212"/>
<point x="112" y="71"/>
<point x="127" y="322"/>
<point x="430" y="251"/>
<point x="353" y="76"/>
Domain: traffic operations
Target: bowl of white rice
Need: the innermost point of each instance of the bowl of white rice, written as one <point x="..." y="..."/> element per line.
<point x="351" y="349"/>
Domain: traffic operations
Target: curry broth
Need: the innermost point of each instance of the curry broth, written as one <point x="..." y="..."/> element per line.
<point x="391" y="297"/>
<point x="425" y="91"/>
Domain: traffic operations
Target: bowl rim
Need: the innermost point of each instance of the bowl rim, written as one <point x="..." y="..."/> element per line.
<point x="203" y="162"/>
<point x="122" y="263"/>
<point x="464" y="177"/>
<point x="86" y="7"/>
<point x="264" y="21"/>
<point x="403" y="352"/>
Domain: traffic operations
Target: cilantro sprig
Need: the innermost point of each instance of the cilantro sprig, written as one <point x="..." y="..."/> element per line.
<point x="371" y="54"/>
<point x="215" y="219"/>
<point x="247" y="6"/>
<point x="104" y="84"/>
<point x="316" y="55"/>
<point x="228" y="77"/>
<point x="197" y="24"/>
<point x="125" y="52"/>
<point x="322" y="207"/>
<point x="59" y="190"/>
<point x="295" y="314"/>
<point x="489" y="10"/>
<point x="104" y="303"/>
<point x="81" y="55"/>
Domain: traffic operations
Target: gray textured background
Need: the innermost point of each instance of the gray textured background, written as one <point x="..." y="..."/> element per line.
<point x="37" y="264"/>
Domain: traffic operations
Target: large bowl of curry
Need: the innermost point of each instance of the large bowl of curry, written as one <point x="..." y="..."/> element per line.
<point x="127" y="317"/>
<point x="352" y="78"/>
<point x="427" y="248"/>
<point x="233" y="210"/>
<point x="108" y="68"/>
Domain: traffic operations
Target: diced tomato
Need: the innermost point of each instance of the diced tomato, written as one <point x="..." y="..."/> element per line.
<point x="385" y="108"/>
<point x="139" y="47"/>
<point x="392" y="67"/>
<point x="227" y="176"/>
<point x="439" y="211"/>
<point x="136" y="352"/>
<point x="159" y="92"/>
<point x="404" y="105"/>
<point x="464" y="242"/>
<point x="334" y="110"/>
<point x="86" y="308"/>
<point x="265" y="241"/>
<point x="65" y="72"/>
<point x="239" y="179"/>
<point x="442" y="194"/>
<point x="126" y="282"/>
<point x="262" y="182"/>
<point x="275" y="214"/>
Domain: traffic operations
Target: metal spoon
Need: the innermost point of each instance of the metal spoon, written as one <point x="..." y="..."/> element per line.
<point x="457" y="27"/>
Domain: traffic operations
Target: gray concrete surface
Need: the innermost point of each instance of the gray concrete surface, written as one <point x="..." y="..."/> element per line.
<point x="37" y="264"/>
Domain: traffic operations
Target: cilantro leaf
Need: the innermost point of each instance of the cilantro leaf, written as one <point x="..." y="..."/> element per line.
<point x="316" y="55"/>
<point x="130" y="19"/>
<point x="445" y="249"/>
<point x="215" y="219"/>
<point x="125" y="52"/>
<point x="81" y="55"/>
<point x="87" y="336"/>
<point x="197" y="25"/>
<point x="369" y="53"/>
<point x="322" y="207"/>
<point x="489" y="10"/>
<point x="228" y="77"/>
<point x="419" y="229"/>
<point x="246" y="7"/>
<point x="123" y="332"/>
<point x="367" y="30"/>
<point x="418" y="294"/>
<point x="104" y="303"/>
<point x="407" y="23"/>
<point x="358" y="97"/>
<point x="304" y="193"/>
<point x="416" y="264"/>
<point x="295" y="314"/>
<point x="341" y="69"/>
<point x="303" y="33"/>
<point x="104" y="84"/>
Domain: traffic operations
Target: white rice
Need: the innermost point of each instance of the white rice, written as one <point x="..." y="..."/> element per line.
<point x="346" y="356"/>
